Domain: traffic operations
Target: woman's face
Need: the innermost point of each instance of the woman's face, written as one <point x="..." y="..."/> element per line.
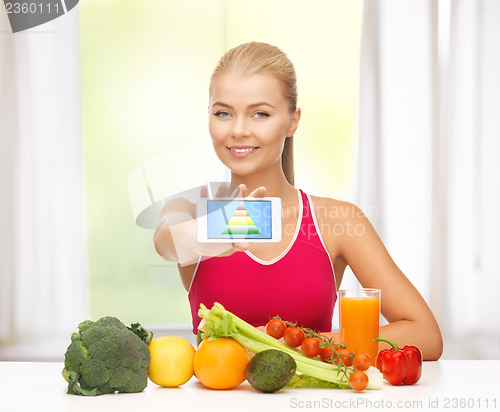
<point x="249" y="120"/>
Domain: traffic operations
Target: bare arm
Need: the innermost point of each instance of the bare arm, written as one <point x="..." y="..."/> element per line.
<point x="410" y="318"/>
<point x="178" y="213"/>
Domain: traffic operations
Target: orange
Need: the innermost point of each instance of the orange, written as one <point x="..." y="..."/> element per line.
<point x="220" y="364"/>
<point x="171" y="361"/>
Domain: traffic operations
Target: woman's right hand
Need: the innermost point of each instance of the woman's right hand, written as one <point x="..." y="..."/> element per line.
<point x="175" y="237"/>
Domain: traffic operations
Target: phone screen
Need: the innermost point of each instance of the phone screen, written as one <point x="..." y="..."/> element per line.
<point x="239" y="219"/>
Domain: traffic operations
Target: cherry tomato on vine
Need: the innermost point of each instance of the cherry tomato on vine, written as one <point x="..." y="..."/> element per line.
<point x="344" y="355"/>
<point x="361" y="361"/>
<point x="294" y="336"/>
<point x="326" y="353"/>
<point x="276" y="328"/>
<point x="358" y="380"/>
<point x="310" y="346"/>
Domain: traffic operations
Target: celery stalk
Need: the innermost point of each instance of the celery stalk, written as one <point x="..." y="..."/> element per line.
<point x="219" y="322"/>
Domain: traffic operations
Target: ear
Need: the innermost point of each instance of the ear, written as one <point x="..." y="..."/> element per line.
<point x="294" y="124"/>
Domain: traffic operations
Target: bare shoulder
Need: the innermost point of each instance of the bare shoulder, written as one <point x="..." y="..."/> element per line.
<point x="339" y="223"/>
<point x="328" y="210"/>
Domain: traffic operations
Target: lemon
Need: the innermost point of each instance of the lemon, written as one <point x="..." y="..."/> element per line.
<point x="171" y="361"/>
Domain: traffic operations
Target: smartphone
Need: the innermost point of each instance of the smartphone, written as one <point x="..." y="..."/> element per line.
<point x="224" y="220"/>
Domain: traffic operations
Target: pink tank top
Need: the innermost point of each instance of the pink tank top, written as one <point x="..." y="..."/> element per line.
<point x="299" y="285"/>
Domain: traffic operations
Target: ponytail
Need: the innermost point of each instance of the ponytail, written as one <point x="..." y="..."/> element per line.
<point x="287" y="160"/>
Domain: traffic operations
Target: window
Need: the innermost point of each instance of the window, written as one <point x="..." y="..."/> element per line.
<point x="145" y="68"/>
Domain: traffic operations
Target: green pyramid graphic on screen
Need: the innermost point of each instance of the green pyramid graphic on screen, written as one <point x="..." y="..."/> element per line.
<point x="241" y="223"/>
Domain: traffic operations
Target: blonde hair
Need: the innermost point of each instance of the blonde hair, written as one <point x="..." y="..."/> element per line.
<point x="257" y="57"/>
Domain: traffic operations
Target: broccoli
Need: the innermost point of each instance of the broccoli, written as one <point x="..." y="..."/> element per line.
<point x="106" y="356"/>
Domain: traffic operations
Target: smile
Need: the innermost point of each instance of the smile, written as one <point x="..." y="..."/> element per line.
<point x="242" y="151"/>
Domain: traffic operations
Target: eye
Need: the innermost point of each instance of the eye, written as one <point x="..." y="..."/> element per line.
<point x="221" y="114"/>
<point x="261" y="115"/>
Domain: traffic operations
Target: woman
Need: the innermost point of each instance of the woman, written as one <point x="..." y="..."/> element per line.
<point x="253" y="116"/>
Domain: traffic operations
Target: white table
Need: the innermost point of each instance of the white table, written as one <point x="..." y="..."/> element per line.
<point x="444" y="386"/>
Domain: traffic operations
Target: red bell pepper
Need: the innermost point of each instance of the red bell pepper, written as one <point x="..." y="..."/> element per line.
<point x="400" y="366"/>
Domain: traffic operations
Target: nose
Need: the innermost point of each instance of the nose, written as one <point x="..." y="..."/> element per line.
<point x="240" y="127"/>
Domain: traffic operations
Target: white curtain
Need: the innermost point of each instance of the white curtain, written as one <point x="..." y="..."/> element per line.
<point x="429" y="143"/>
<point x="470" y="129"/>
<point x="42" y="265"/>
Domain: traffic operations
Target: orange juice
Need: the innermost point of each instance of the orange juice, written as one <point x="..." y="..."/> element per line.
<point x="359" y="320"/>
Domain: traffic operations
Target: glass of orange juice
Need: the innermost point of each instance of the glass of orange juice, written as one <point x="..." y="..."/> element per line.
<point x="359" y="320"/>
